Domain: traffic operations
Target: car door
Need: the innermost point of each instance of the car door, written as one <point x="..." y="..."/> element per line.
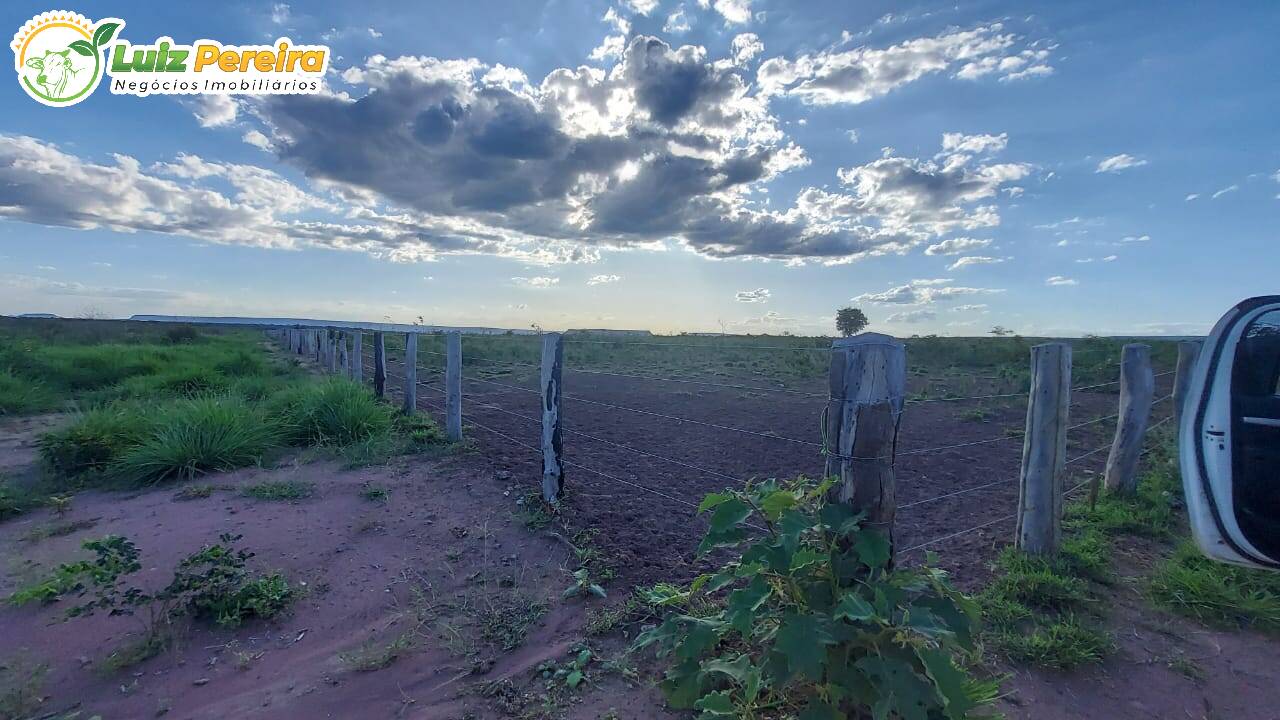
<point x="1229" y="439"/>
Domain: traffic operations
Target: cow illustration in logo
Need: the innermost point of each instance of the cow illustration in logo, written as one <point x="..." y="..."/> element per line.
<point x="60" y="56"/>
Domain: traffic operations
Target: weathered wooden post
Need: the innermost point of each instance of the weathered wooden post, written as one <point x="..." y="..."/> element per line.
<point x="552" y="445"/>
<point x="1137" y="388"/>
<point x="333" y="351"/>
<point x="410" y="373"/>
<point x="453" y="386"/>
<point x="324" y="349"/>
<point x="379" y="365"/>
<point x="1044" y="450"/>
<point x="344" y="355"/>
<point x="868" y="377"/>
<point x="357" y="355"/>
<point x="1188" y="353"/>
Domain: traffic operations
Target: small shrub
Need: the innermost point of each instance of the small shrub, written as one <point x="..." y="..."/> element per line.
<point x="194" y="492"/>
<point x="375" y="493"/>
<point x="808" y="620"/>
<point x="180" y="334"/>
<point x="373" y="655"/>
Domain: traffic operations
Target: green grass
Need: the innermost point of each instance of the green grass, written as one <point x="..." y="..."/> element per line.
<point x="330" y="412"/>
<point x="279" y="490"/>
<point x="194" y="437"/>
<point x="1215" y="593"/>
<point x="24" y="395"/>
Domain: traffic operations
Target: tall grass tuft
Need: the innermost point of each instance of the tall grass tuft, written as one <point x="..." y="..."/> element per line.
<point x="23" y="396"/>
<point x="331" y="412"/>
<point x="97" y="438"/>
<point x="198" y="436"/>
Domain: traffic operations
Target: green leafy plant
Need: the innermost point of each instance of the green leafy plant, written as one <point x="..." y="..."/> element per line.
<point x="570" y="674"/>
<point x="211" y="584"/>
<point x="810" y="620"/>
<point x="583" y="586"/>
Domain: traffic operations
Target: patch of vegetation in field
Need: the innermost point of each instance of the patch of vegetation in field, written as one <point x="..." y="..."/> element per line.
<point x="21" y="686"/>
<point x="212" y="584"/>
<point x="279" y="490"/>
<point x="1215" y="593"/>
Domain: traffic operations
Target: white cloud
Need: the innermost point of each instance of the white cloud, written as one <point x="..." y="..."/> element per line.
<point x="677" y="22"/>
<point x="1116" y="163"/>
<point x="922" y="292"/>
<point x="1110" y="258"/>
<point x="373" y="33"/>
<point x="956" y="246"/>
<point x="603" y="279"/>
<point x="280" y="13"/>
<point x="744" y="47"/>
<point x="46" y="268"/>
<point x="257" y="139"/>
<point x="759" y="295"/>
<point x="860" y="74"/>
<point x="639" y="7"/>
<point x="1135" y="238"/>
<point x="1224" y="191"/>
<point x="1192" y="196"/>
<point x="976" y="307"/>
<point x="43" y="286"/>
<point x="1084" y="260"/>
<point x="965" y="262"/>
<point x="215" y="110"/>
<point x="853" y="136"/>
<point x="1060" y="280"/>
<point x="537" y="283"/>
<point x="974" y="144"/>
<point x="734" y="12"/>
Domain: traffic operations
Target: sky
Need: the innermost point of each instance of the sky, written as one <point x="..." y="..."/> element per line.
<point x="697" y="165"/>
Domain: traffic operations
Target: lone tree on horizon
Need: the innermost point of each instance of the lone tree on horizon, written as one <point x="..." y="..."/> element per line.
<point x="850" y="321"/>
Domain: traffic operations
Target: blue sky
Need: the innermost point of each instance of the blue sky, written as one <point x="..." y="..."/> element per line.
<point x="1056" y="168"/>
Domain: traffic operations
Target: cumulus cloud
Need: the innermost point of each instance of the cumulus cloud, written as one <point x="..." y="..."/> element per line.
<point x="965" y="262"/>
<point x="215" y="110"/>
<point x="956" y="246"/>
<point x="923" y="292"/>
<point x="758" y="295"/>
<point x="734" y="12"/>
<point x="861" y="74"/>
<point x="677" y="22"/>
<point x="257" y="139"/>
<point x="744" y="47"/>
<point x="974" y="144"/>
<point x="537" y="283"/>
<point x="1116" y="163"/>
<point x="640" y="7"/>
<point x="603" y="279"/>
<point x="853" y="136"/>
<point x="1060" y="280"/>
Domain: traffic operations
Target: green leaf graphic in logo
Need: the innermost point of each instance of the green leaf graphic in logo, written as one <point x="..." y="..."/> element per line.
<point x="104" y="33"/>
<point x="82" y="47"/>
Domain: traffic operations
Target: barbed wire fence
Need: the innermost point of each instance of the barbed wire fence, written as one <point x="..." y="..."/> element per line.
<point x="492" y="399"/>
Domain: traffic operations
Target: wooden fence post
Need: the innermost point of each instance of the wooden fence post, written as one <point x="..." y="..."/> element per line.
<point x="453" y="386"/>
<point x="1137" y="388"/>
<point x="552" y="445"/>
<point x="868" y="378"/>
<point x="325" y="339"/>
<point x="1044" y="450"/>
<point x="344" y="356"/>
<point x="379" y="365"/>
<point x="333" y="351"/>
<point x="410" y="373"/>
<point x="1188" y="353"/>
<point x="357" y="355"/>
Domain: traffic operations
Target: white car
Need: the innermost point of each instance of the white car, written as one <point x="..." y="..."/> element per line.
<point x="1229" y="439"/>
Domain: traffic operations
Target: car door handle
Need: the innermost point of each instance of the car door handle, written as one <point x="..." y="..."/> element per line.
<point x="1269" y="422"/>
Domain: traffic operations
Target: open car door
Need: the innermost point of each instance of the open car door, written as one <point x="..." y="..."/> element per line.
<point x="1229" y="440"/>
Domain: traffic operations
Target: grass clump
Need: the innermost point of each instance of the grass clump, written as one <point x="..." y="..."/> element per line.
<point x="199" y="436"/>
<point x="24" y="396"/>
<point x="1215" y="593"/>
<point x="85" y="448"/>
<point x="330" y="412"/>
<point x="1033" y="609"/>
<point x="279" y="490"/>
<point x="21" y="687"/>
<point x="194" y="492"/>
<point x="373" y="655"/>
